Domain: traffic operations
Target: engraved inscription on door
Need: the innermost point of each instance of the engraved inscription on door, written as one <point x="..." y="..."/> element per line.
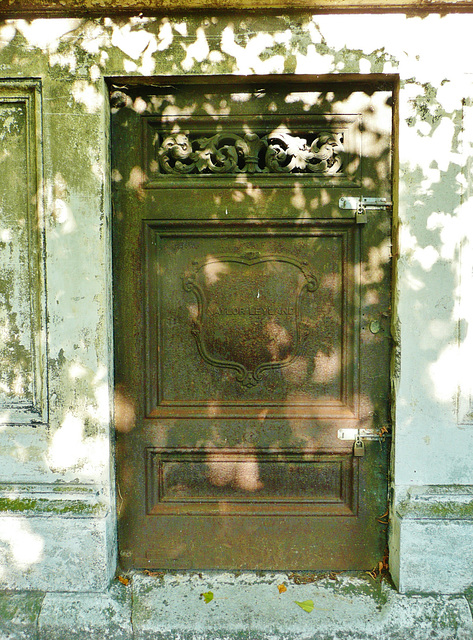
<point x="248" y="312"/>
<point x="241" y="290"/>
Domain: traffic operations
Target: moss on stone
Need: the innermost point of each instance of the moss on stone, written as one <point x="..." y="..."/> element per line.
<point x="41" y="506"/>
<point x="23" y="607"/>
<point x="448" y="510"/>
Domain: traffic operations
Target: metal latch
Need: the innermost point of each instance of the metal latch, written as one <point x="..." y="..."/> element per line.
<point x="359" y="435"/>
<point x="364" y="434"/>
<point x="360" y="205"/>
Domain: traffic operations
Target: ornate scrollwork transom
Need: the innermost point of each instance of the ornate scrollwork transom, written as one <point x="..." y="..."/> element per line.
<point x="227" y="153"/>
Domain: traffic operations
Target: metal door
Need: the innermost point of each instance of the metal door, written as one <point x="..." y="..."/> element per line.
<point x="252" y="315"/>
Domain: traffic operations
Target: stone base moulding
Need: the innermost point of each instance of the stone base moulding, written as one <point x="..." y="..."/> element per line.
<point x="38" y="550"/>
<point x="432" y="528"/>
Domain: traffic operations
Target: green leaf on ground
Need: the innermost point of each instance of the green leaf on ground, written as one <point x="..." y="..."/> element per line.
<point x="207" y="596"/>
<point x="307" y="605"/>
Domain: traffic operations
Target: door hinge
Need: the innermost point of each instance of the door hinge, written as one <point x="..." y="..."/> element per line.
<point x="360" y="206"/>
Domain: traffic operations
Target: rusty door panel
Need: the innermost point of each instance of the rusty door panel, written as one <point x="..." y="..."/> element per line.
<point x="245" y="299"/>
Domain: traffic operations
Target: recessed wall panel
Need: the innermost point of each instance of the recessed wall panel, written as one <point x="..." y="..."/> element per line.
<point x="22" y="339"/>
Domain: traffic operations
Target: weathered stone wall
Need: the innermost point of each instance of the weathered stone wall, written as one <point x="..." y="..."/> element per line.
<point x="57" y="522"/>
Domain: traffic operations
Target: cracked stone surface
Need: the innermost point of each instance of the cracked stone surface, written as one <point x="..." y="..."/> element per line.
<point x="250" y="606"/>
<point x="245" y="606"/>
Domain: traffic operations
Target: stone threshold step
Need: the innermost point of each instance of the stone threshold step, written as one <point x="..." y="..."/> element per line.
<point x="237" y="606"/>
